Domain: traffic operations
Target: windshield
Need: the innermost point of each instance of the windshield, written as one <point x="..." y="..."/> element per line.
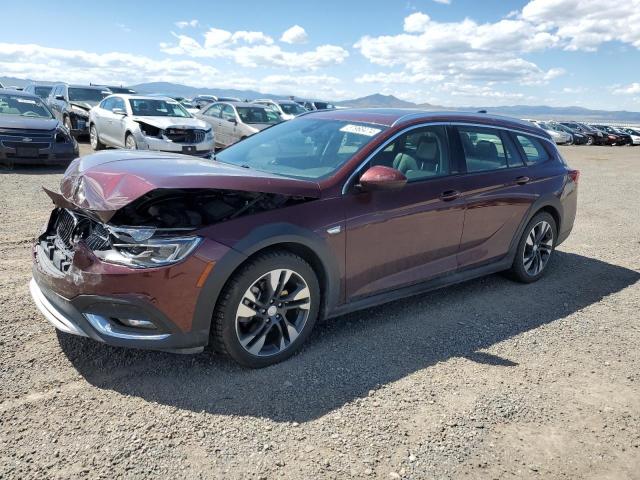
<point x="42" y="92"/>
<point x="147" y="107"/>
<point x="23" y="106"/>
<point x="87" y="94"/>
<point x="258" y="115"/>
<point x="302" y="148"/>
<point x="292" y="108"/>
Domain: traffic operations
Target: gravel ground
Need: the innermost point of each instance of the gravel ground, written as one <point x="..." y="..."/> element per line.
<point x="488" y="379"/>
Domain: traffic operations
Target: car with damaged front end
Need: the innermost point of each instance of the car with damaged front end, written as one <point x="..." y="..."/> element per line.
<point x="312" y="218"/>
<point x="148" y="123"/>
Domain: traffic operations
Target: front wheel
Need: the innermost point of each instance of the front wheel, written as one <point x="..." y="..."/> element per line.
<point x="267" y="310"/>
<point x="130" y="142"/>
<point x="535" y="248"/>
<point x="589" y="140"/>
<point x="96" y="144"/>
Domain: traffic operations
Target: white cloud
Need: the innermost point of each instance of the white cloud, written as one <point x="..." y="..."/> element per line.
<point x="187" y="23"/>
<point x="79" y="66"/>
<point x="295" y="34"/>
<point x="585" y="24"/>
<point x="444" y="2"/>
<point x="253" y="49"/>
<point x="631" y="89"/>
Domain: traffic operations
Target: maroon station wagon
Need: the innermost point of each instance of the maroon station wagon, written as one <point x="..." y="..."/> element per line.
<point x="312" y="218"/>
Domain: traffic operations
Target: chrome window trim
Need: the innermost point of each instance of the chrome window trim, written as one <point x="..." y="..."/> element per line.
<point x="430" y="124"/>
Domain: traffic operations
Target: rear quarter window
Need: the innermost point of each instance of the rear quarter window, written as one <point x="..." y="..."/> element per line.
<point x="533" y="149"/>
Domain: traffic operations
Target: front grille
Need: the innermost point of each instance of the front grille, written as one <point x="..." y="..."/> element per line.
<point x="66" y="229"/>
<point x="38" y="145"/>
<point x="184" y="135"/>
<point x="18" y="133"/>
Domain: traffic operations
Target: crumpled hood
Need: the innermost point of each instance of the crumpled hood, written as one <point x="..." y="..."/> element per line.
<point x="104" y="182"/>
<point x="84" y="105"/>
<point x="173" y="122"/>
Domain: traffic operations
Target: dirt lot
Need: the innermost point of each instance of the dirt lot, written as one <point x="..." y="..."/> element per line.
<point x="489" y="379"/>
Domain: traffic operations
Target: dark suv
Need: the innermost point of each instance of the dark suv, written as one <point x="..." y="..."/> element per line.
<point x="71" y="104"/>
<point x="312" y="218"/>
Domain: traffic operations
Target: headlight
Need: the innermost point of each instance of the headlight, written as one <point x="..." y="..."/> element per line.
<point x="208" y="135"/>
<point x="62" y="135"/>
<point x="81" y="112"/>
<point x="149" y="253"/>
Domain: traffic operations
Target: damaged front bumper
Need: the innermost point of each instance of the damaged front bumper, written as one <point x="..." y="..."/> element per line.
<point x="200" y="149"/>
<point x="150" y="308"/>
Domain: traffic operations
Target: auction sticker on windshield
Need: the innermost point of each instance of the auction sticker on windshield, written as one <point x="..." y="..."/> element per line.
<point x="360" y="130"/>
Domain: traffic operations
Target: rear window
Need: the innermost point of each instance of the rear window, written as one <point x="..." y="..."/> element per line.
<point x="533" y="149"/>
<point x="484" y="149"/>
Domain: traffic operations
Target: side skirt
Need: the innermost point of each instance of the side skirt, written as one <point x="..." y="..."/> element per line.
<point x="415" y="289"/>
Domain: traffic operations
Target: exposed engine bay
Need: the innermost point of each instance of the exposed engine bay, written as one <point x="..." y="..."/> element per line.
<point x="153" y="230"/>
<point x="194" y="208"/>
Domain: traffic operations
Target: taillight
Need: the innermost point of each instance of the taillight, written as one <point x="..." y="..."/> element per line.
<point x="574" y="175"/>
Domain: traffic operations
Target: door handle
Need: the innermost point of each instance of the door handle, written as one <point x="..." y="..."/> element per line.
<point x="522" y="180"/>
<point x="449" y="195"/>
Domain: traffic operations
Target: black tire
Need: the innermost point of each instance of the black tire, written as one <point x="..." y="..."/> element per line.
<point x="225" y="334"/>
<point x="66" y="121"/>
<point x="94" y="138"/>
<point x="521" y="270"/>
<point x="129" y="139"/>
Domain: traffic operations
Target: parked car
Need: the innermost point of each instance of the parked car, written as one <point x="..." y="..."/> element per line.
<point x="594" y="137"/>
<point x="41" y="89"/>
<point x="287" y="109"/>
<point x="228" y="99"/>
<point x="202" y="101"/>
<point x="316" y="105"/>
<point x="633" y="133"/>
<point x="235" y="121"/>
<point x="29" y="133"/>
<point x="71" y="104"/>
<point x="119" y="89"/>
<point x="617" y="137"/>
<point x="141" y="122"/>
<point x="560" y="137"/>
<point x="328" y="213"/>
<point x="577" y="138"/>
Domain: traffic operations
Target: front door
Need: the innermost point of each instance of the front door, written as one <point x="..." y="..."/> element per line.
<point x="401" y="237"/>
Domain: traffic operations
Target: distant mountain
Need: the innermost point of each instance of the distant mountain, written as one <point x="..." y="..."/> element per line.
<point x="177" y="89"/>
<point x="376" y="100"/>
<point x="388" y="101"/>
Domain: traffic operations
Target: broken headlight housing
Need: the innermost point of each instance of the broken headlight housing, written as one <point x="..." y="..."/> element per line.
<point x="140" y="249"/>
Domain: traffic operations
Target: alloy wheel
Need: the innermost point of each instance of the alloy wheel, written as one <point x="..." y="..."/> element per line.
<point x="273" y="312"/>
<point x="93" y="137"/>
<point x="538" y="248"/>
<point x="130" y="143"/>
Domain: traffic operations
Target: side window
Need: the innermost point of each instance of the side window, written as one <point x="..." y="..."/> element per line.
<point x="228" y="113"/>
<point x="118" y="103"/>
<point x="533" y="148"/>
<point x="485" y="150"/>
<point x="107" y="104"/>
<point x="419" y="154"/>
<point x="213" y="111"/>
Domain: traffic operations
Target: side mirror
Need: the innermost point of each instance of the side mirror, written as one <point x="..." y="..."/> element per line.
<point x="380" y="177"/>
<point x="59" y="97"/>
<point x="119" y="111"/>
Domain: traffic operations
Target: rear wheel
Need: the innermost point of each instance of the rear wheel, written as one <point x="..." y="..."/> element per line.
<point x="130" y="142"/>
<point x="96" y="144"/>
<point x="535" y="248"/>
<point x="267" y="310"/>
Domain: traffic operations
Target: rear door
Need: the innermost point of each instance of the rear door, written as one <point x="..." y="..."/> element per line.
<point x="405" y="236"/>
<point x="100" y="119"/>
<point x="497" y="188"/>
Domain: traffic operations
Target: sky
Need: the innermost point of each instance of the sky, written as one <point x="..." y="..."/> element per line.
<point x="443" y="52"/>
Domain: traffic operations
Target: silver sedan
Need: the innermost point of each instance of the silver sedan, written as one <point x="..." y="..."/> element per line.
<point x="233" y="121"/>
<point x="148" y="123"/>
